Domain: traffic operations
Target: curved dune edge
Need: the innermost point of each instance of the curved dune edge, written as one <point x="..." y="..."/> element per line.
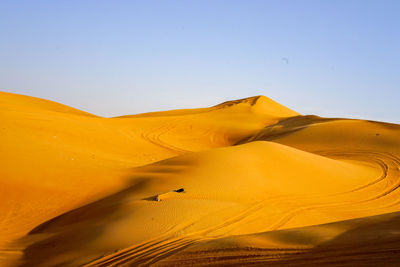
<point x="357" y="242"/>
<point x="244" y="182"/>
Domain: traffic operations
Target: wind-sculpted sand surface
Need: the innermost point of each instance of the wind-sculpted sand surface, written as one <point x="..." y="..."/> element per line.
<point x="246" y="182"/>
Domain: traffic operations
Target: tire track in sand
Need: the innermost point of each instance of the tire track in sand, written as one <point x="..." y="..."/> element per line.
<point x="153" y="136"/>
<point x="157" y="249"/>
<point x="390" y="166"/>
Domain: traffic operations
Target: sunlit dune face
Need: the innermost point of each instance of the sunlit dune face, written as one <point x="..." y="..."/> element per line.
<point x="243" y="182"/>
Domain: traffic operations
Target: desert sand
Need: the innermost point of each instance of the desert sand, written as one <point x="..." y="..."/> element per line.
<point x="245" y="182"/>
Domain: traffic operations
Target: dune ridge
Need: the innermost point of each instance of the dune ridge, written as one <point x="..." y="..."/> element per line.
<point x="246" y="181"/>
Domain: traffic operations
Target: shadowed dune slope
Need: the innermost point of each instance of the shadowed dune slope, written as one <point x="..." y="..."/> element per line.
<point x="313" y="133"/>
<point x="215" y="201"/>
<point x="56" y="158"/>
<point x="369" y="241"/>
<point x="246" y="179"/>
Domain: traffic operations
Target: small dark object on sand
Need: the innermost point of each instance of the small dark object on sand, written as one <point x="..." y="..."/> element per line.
<point x="180" y="190"/>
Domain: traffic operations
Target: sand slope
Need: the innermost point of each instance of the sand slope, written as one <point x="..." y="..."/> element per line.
<point x="254" y="177"/>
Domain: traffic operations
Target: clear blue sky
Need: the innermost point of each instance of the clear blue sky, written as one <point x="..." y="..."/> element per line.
<point x="330" y="58"/>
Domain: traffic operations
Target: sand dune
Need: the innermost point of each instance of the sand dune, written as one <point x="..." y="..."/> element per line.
<point x="243" y="182"/>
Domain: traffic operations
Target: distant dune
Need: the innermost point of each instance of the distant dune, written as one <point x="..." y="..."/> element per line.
<point x="245" y="182"/>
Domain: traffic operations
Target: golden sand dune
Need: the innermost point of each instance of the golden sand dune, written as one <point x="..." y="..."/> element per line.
<point x="244" y="182"/>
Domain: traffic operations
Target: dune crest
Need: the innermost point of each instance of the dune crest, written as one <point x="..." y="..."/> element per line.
<point x="247" y="181"/>
<point x="261" y="104"/>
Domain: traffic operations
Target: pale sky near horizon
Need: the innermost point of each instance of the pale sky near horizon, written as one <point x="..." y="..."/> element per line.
<point x="329" y="58"/>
